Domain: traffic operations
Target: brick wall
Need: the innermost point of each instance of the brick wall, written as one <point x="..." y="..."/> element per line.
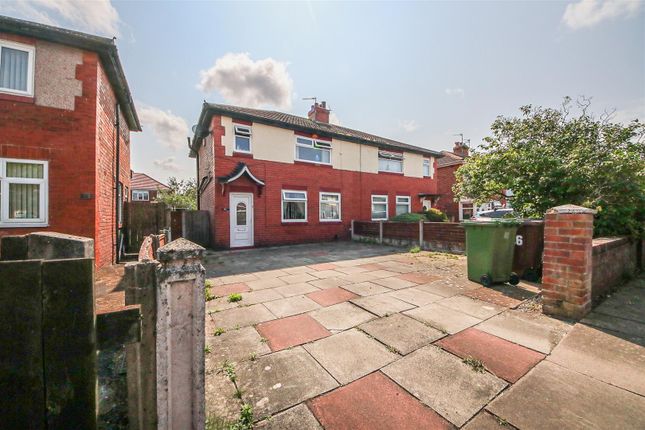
<point x="446" y="203"/>
<point x="356" y="189"/>
<point x="437" y="236"/>
<point x="613" y="258"/>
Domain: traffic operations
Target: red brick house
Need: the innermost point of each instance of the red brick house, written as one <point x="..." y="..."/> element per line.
<point x="272" y="178"/>
<point x="144" y="188"/>
<point x="446" y="168"/>
<point x="65" y="119"/>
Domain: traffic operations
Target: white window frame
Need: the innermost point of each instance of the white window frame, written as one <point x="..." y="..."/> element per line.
<point x="430" y="164"/>
<point x="390" y="156"/>
<point x="31" y="51"/>
<point x="314" y="142"/>
<point x="461" y="208"/>
<point x="285" y="199"/>
<point x="145" y="193"/>
<point x="403" y="200"/>
<point x="379" y="203"/>
<point x="242" y="131"/>
<point x="5" y="221"/>
<point x="320" y="203"/>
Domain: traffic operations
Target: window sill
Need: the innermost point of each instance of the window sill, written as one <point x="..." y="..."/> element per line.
<point x="17" y="98"/>
<point x="242" y="154"/>
<point x="23" y="225"/>
<point x="383" y="172"/>
<point x="295" y="223"/>
<point x="331" y="221"/>
<point x="313" y="163"/>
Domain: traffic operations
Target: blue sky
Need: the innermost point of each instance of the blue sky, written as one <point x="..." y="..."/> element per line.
<point x="416" y="72"/>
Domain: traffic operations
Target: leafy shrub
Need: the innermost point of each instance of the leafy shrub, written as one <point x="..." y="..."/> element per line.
<point x="435" y="215"/>
<point x="408" y="217"/>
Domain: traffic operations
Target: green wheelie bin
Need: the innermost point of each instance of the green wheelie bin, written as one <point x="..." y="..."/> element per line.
<point x="489" y="247"/>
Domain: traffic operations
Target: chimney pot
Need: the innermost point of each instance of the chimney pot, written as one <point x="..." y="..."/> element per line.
<point x="460" y="149"/>
<point x="319" y="112"/>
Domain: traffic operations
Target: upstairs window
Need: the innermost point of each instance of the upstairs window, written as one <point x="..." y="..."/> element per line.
<point x="16" y="68"/>
<point x="390" y="162"/>
<point x="427" y="168"/>
<point x="315" y="151"/>
<point x="140" y="196"/>
<point x="23" y="193"/>
<point x="379" y="208"/>
<point x="329" y="206"/>
<point x="402" y="205"/>
<point x="242" y="138"/>
<point x="294" y="206"/>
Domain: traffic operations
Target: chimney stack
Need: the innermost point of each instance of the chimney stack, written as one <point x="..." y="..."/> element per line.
<point x="460" y="149"/>
<point x="319" y="112"/>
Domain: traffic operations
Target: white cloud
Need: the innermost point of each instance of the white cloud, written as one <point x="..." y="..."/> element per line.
<point x="96" y="16"/>
<point x="167" y="164"/>
<point x="333" y="119"/>
<point x="169" y="129"/>
<point x="408" y="125"/>
<point x="242" y="81"/>
<point x="459" y="92"/>
<point x="587" y="13"/>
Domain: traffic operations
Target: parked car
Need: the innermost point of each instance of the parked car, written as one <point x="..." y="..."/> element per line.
<point x="494" y="214"/>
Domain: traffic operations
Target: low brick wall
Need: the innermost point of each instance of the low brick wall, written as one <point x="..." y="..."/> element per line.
<point x="613" y="259"/>
<point x="437" y="236"/>
<point x="149" y="247"/>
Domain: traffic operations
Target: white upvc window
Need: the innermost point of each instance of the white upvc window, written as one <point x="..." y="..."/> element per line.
<point x="23" y="193"/>
<point x="379" y="207"/>
<point x="242" y="138"/>
<point x="140" y="196"/>
<point x="428" y="168"/>
<point x="390" y="162"/>
<point x="313" y="151"/>
<point x="466" y="210"/>
<point x="329" y="207"/>
<point x="294" y="206"/>
<point x="16" y="68"/>
<point x="402" y="205"/>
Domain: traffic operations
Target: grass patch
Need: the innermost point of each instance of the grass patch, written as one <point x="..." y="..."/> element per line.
<point x="219" y="331"/>
<point x="207" y="349"/>
<point x="235" y="297"/>
<point x="415" y="250"/>
<point x="477" y="365"/>
<point x="253" y="356"/>
<point x="208" y="294"/>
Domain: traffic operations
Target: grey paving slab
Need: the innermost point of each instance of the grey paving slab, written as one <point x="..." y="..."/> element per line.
<point x="604" y="356"/>
<point x="234" y="279"/>
<point x="341" y="316"/>
<point x="446" y="384"/>
<point x="528" y="329"/>
<point x="296" y="270"/>
<point x="366" y="288"/>
<point x="380" y="274"/>
<point x="627" y="303"/>
<point x="296" y="289"/>
<point x="324" y="274"/>
<point x="487" y="421"/>
<point x="473" y="307"/>
<point x="291" y="306"/>
<point x="297" y="418"/>
<point x="242" y="316"/>
<point x="280" y="380"/>
<point x="219" y="304"/>
<point x="445" y="288"/>
<point x="394" y="283"/>
<point x="221" y="404"/>
<point x="276" y="273"/>
<point x="265" y="283"/>
<point x="415" y="296"/>
<point x="610" y="322"/>
<point x="260" y="296"/>
<point x="236" y="345"/>
<point x="357" y="277"/>
<point x="350" y="355"/>
<point x="553" y="397"/>
<point x="329" y="283"/>
<point x="382" y="304"/>
<point x="297" y="278"/>
<point x="443" y="318"/>
<point x="402" y="333"/>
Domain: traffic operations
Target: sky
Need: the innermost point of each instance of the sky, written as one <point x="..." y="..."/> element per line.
<point x="417" y="72"/>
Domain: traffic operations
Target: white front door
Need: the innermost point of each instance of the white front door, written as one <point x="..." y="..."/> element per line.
<point x="241" y="210"/>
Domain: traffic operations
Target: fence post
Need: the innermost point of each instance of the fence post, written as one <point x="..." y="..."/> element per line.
<point x="380" y="232"/>
<point x="421" y="234"/>
<point x="352" y="231"/>
<point x="180" y="336"/>
<point x="567" y="263"/>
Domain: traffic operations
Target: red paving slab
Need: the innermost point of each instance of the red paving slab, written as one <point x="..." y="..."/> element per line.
<point x="374" y="402"/>
<point x="505" y="359"/>
<point x="331" y="296"/>
<point x="225" y="290"/>
<point x="323" y="266"/>
<point x="291" y="331"/>
<point x="419" y="278"/>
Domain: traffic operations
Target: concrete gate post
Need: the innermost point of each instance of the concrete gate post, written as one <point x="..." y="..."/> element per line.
<point x="180" y="336"/>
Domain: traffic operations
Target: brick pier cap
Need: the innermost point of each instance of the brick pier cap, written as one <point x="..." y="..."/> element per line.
<point x="571" y="209"/>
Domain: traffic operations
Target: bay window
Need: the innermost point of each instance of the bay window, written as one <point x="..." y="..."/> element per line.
<point x="16" y="68"/>
<point x="390" y="162"/>
<point x="23" y="193"/>
<point x="242" y="138"/>
<point x="329" y="206"/>
<point x="379" y="208"/>
<point x="402" y="204"/>
<point x="311" y="150"/>
<point x="294" y="206"/>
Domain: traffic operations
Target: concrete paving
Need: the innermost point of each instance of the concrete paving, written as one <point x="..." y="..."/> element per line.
<point x="447" y="348"/>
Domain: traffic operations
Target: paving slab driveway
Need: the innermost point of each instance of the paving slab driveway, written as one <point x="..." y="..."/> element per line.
<point x="356" y="336"/>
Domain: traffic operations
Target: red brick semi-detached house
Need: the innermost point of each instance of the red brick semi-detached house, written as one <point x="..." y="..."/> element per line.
<point x="65" y="119"/>
<point x="145" y="188"/>
<point x="272" y="178"/>
<point x="446" y="168"/>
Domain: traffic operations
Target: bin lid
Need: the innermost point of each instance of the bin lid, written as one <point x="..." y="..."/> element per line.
<point x="498" y="222"/>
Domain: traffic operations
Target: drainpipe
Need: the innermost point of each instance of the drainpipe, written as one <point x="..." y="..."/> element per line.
<point x="117" y="126"/>
<point x="197" y="184"/>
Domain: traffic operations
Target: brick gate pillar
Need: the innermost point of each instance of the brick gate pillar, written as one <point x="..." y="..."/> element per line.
<point x="567" y="263"/>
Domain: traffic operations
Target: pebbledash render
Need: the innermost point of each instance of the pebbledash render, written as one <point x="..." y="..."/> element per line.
<point x="270" y="178"/>
<point x="65" y="119"/>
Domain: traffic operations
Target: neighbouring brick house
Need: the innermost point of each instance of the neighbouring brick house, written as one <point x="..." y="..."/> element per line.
<point x="144" y="188"/>
<point x="272" y="178"/>
<point x="446" y="168"/>
<point x="65" y="119"/>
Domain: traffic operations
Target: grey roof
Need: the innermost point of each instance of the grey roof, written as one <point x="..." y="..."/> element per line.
<point x="105" y="47"/>
<point x="294" y="122"/>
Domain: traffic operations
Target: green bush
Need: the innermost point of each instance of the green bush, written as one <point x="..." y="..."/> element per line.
<point x="408" y="217"/>
<point x="435" y="215"/>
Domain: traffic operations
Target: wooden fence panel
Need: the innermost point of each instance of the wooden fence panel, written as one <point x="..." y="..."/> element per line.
<point x="143" y="219"/>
